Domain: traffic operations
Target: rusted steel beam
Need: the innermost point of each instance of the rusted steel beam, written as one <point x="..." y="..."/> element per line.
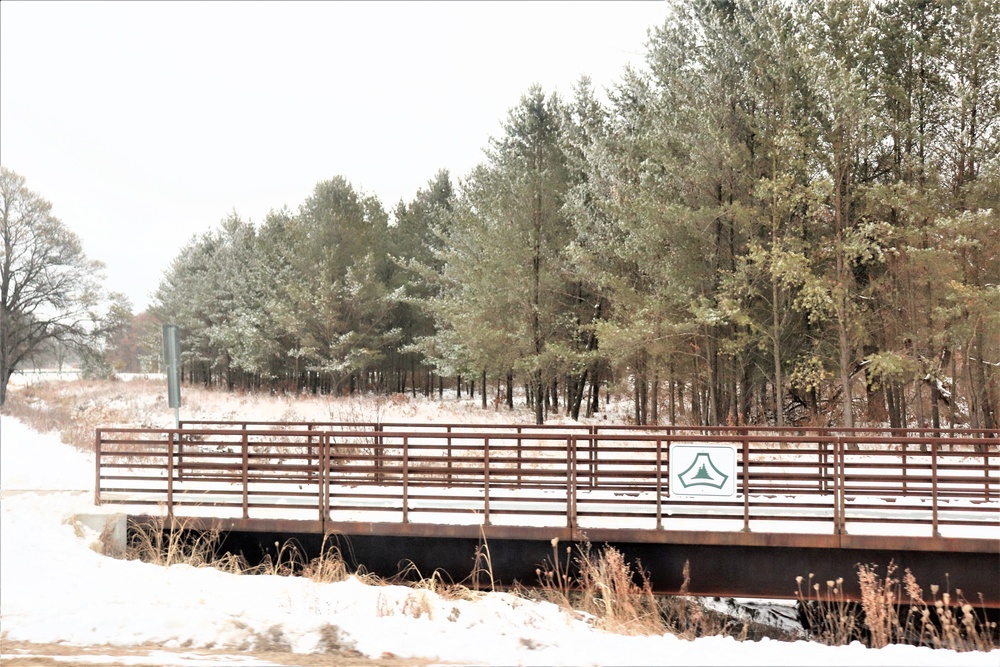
<point x="736" y="566"/>
<point x="202" y="523"/>
<point x="769" y="572"/>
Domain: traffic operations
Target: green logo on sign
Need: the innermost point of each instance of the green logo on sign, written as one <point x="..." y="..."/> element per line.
<point x="702" y="472"/>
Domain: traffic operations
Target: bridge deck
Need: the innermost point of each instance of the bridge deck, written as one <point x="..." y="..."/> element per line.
<point x="798" y="498"/>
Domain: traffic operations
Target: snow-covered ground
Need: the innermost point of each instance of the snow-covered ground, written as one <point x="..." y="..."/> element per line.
<point x="56" y="588"/>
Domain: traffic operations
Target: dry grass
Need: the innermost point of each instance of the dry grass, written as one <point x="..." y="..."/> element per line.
<point x="329" y="566"/>
<point x="611" y="594"/>
<point x="946" y="622"/>
<point x="154" y="543"/>
<point x="603" y="587"/>
<point x="76" y="409"/>
<point x="108" y="546"/>
<point x="554" y="578"/>
<point x="831" y="618"/>
<point x="894" y="612"/>
<point x="878" y="601"/>
<point x="483" y="564"/>
<point x="289" y="561"/>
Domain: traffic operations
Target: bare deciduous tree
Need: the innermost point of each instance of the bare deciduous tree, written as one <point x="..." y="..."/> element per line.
<point x="47" y="284"/>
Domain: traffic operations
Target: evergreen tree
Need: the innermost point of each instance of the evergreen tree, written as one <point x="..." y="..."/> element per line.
<point x="502" y="282"/>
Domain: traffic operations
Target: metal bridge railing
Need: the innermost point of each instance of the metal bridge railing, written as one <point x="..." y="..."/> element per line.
<point x="815" y="480"/>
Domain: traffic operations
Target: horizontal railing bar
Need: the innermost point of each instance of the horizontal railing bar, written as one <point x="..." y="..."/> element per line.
<point x="630" y="427"/>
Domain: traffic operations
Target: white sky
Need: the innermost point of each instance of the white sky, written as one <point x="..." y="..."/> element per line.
<point x="147" y="123"/>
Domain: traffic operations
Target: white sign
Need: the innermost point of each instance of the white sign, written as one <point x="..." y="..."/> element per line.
<point x="702" y="470"/>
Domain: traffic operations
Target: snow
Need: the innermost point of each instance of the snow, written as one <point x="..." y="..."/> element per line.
<point x="55" y="587"/>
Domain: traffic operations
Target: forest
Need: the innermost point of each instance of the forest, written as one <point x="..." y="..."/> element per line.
<point x="789" y="216"/>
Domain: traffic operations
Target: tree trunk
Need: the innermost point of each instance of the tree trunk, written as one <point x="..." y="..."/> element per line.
<point x="484" y="388"/>
<point x="5" y="374"/>
<point x="636" y="402"/>
<point x="539" y="398"/>
<point x="779" y="385"/>
<point x="576" y="400"/>
<point x="673" y="408"/>
<point x="843" y="344"/>
<point x="987" y="384"/>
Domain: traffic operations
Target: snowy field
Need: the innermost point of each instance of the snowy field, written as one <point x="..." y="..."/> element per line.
<point x="56" y="588"/>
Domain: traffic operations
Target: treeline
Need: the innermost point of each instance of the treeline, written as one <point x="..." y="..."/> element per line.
<point x="791" y="216"/>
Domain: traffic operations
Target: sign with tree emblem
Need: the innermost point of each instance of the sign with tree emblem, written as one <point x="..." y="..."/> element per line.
<point x="702" y="470"/>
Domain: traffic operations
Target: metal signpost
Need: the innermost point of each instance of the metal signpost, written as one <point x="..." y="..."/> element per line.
<point x="171" y="361"/>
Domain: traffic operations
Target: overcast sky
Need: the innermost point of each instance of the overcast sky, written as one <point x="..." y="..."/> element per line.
<point x="146" y="123"/>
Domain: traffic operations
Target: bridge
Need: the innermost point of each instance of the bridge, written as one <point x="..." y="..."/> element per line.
<point x="773" y="504"/>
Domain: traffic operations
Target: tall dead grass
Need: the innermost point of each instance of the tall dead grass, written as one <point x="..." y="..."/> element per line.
<point x="156" y="544"/>
<point x="893" y="612"/>
<point x="619" y="598"/>
<point x="76" y="408"/>
<point x="830" y="617"/>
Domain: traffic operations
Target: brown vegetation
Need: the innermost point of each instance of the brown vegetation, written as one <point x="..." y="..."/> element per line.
<point x="893" y="613"/>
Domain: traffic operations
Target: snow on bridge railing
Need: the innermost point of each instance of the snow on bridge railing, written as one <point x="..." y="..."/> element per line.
<point x="809" y="480"/>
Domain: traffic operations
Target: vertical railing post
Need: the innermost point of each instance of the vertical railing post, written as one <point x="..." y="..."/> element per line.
<point x="486" y="480"/>
<point x="246" y="475"/>
<point x="170" y="473"/>
<point x="571" y="483"/>
<point x="519" y="447"/>
<point x="839" y="500"/>
<point x="179" y="443"/>
<point x="986" y="473"/>
<point x="520" y="457"/>
<point x="448" y="431"/>
<point x="310" y="450"/>
<point x="935" y="448"/>
<point x="824" y="466"/>
<point x="592" y="457"/>
<point x="903" y="464"/>
<point x="746" y="485"/>
<point x="986" y="465"/>
<point x="659" y="483"/>
<point x="593" y="454"/>
<point x="323" y="476"/>
<point x="97" y="467"/>
<point x="406" y="478"/>
<point x="377" y="455"/>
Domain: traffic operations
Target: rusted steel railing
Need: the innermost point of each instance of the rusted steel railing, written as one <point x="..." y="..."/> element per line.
<point x="807" y="480"/>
